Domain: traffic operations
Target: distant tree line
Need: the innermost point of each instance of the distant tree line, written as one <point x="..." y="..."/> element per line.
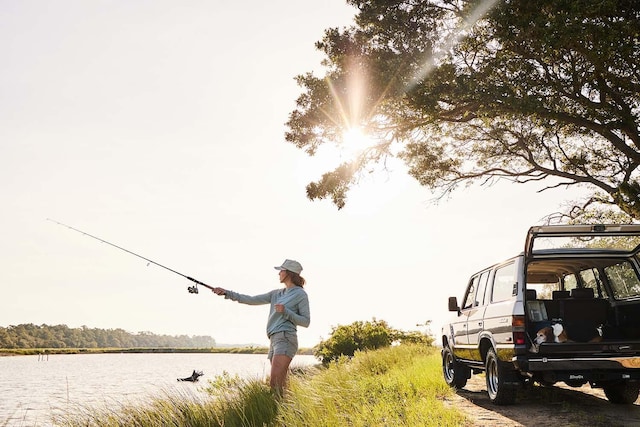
<point x="61" y="336"/>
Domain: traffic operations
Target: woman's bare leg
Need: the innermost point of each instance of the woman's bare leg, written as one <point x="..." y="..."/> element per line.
<point x="279" y="369"/>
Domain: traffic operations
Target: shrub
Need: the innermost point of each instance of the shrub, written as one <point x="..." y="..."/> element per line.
<point x="360" y="336"/>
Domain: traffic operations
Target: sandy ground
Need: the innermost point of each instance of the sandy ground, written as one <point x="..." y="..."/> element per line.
<point x="557" y="406"/>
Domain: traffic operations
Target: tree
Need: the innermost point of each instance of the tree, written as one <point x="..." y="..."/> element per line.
<point x="345" y="340"/>
<point x="471" y="91"/>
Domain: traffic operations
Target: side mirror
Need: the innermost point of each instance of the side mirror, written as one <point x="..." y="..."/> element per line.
<point x="453" y="304"/>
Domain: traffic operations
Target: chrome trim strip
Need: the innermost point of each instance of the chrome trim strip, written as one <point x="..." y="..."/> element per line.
<point x="629" y="362"/>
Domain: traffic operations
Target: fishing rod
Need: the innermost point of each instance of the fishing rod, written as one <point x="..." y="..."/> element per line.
<point x="192" y="289"/>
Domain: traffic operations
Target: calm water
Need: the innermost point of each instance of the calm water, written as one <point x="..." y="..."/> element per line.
<point x="32" y="389"/>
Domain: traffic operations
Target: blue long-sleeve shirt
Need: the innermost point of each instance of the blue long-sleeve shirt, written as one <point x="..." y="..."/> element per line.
<point x="296" y="308"/>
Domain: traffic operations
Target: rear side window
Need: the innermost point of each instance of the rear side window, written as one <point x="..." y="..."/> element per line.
<point x="570" y="282"/>
<point x="591" y="279"/>
<point x="504" y="283"/>
<point x="623" y="280"/>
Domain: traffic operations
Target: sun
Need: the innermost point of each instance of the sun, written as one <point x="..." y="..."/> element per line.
<point x="354" y="142"/>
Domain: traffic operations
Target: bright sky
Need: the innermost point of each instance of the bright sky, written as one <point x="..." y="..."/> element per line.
<point x="159" y="126"/>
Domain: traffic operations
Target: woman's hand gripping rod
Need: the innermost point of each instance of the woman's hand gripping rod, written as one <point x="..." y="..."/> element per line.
<point x="192" y="289"/>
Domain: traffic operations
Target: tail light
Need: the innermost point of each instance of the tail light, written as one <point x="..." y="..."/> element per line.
<point x="517" y="324"/>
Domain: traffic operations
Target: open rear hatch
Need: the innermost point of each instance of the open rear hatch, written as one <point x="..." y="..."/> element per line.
<point x="583" y="281"/>
<point x="549" y="239"/>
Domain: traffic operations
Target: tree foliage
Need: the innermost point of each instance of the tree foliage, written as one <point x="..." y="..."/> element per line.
<point x="345" y="340"/>
<point x="61" y="336"/>
<point x="471" y="91"/>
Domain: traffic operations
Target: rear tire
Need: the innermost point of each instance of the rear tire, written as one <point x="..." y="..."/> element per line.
<point x="622" y="393"/>
<point x="455" y="373"/>
<point x="500" y="390"/>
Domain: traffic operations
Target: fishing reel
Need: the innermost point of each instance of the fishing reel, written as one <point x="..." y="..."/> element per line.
<point x="193" y="289"/>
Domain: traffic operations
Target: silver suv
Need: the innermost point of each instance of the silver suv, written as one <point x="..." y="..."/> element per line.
<point x="566" y="309"/>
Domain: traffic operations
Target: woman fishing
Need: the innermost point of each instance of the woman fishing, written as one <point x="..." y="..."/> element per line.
<point x="289" y="309"/>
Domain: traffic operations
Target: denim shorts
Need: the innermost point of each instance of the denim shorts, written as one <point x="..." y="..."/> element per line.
<point x="283" y="343"/>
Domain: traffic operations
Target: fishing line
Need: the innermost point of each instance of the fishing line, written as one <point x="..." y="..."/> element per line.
<point x="192" y="289"/>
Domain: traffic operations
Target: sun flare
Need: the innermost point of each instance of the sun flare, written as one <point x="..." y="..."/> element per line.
<point x="354" y="142"/>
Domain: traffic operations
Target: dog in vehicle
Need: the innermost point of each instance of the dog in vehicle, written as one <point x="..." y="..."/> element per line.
<point x="557" y="333"/>
<point x="553" y="333"/>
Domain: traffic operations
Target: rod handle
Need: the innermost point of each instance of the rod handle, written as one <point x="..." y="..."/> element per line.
<point x="199" y="282"/>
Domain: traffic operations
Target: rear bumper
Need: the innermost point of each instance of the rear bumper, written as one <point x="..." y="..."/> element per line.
<point x="580" y="370"/>
<point x="546" y="363"/>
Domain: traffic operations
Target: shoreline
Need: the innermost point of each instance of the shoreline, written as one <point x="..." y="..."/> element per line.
<point x="7" y="352"/>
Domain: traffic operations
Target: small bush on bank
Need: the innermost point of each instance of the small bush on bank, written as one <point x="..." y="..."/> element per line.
<point x="346" y="340"/>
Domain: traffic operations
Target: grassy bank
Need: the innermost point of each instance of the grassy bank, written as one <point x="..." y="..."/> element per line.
<point x="398" y="386"/>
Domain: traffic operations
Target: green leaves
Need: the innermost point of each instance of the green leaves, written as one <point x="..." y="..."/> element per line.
<point x="526" y="91"/>
<point x="346" y="340"/>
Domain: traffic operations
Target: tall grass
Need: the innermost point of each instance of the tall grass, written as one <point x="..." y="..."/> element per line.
<point x="397" y="386"/>
<point x="231" y="402"/>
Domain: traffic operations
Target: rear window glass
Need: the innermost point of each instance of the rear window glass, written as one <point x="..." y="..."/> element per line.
<point x="608" y="242"/>
<point x="543" y="290"/>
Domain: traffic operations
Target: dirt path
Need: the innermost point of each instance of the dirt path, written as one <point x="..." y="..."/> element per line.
<point x="544" y="406"/>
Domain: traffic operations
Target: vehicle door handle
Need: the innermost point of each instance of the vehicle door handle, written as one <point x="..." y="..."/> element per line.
<point x="479" y="323"/>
